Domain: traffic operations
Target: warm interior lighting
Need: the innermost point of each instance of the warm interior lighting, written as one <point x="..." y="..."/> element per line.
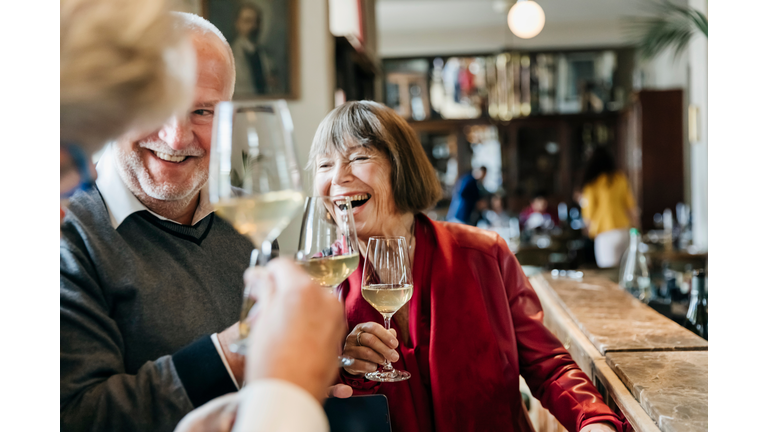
<point x="526" y="19"/>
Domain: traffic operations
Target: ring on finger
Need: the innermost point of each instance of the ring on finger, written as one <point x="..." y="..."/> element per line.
<point x="358" y="338"/>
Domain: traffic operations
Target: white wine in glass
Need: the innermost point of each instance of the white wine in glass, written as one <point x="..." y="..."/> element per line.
<point x="255" y="180"/>
<point x="329" y="272"/>
<point x="260" y="217"/>
<point x="387" y="285"/>
<point x="387" y="299"/>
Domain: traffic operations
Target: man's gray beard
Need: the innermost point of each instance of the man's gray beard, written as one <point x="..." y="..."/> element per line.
<point x="137" y="177"/>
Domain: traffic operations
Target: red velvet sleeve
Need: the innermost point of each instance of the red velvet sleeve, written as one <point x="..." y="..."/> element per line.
<point x="550" y="372"/>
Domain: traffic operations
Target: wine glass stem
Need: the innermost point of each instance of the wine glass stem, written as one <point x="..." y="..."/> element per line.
<point x="387" y="365"/>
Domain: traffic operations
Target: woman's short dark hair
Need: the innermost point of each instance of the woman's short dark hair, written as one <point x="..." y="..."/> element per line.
<point x="415" y="186"/>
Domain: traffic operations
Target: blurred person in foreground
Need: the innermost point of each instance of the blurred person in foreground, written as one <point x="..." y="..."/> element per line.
<point x="474" y="323"/>
<point x="128" y="65"/>
<point x="466" y="194"/>
<point x="608" y="207"/>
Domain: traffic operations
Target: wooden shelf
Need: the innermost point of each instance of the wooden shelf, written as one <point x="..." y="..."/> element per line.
<point x="446" y="123"/>
<point x="356" y="69"/>
<point x="360" y="55"/>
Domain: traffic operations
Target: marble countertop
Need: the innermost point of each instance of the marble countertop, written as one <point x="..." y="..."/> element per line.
<point x="671" y="386"/>
<point x="614" y="321"/>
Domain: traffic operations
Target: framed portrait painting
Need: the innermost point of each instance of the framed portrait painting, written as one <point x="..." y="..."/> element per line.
<point x="264" y="40"/>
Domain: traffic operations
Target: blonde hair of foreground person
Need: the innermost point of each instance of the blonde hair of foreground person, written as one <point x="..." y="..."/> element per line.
<point x="124" y="64"/>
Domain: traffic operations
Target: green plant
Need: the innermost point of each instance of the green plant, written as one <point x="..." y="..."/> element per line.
<point x="671" y="26"/>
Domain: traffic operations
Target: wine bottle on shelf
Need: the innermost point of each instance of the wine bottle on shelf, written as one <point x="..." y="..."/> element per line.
<point x="684" y="220"/>
<point x="696" y="319"/>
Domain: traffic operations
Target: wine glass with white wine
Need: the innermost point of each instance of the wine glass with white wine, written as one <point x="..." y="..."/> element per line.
<point x="328" y="249"/>
<point x="255" y="180"/>
<point x="387" y="285"/>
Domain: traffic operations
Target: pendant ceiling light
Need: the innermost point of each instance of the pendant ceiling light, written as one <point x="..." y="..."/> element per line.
<point x="526" y="19"/>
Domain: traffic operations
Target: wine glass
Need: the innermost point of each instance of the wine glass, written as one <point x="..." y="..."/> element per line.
<point x="328" y="249"/>
<point x="255" y="181"/>
<point x="387" y="285"/>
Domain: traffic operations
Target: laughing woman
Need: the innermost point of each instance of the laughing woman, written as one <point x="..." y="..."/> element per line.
<point x="473" y="325"/>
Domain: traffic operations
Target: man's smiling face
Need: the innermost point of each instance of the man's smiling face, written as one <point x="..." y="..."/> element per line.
<point x="171" y="164"/>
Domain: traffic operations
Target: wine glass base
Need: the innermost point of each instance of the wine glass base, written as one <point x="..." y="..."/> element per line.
<point x="391" y="376"/>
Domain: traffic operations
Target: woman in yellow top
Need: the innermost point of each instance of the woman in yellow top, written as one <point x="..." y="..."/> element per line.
<point x="608" y="208"/>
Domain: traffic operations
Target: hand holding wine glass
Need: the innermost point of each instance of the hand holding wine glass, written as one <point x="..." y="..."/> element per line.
<point x="374" y="346"/>
<point x="387" y="285"/>
<point x="299" y="327"/>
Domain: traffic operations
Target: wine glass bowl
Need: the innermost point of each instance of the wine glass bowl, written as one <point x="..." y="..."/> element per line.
<point x="328" y="249"/>
<point x="387" y="285"/>
<point x="254" y="180"/>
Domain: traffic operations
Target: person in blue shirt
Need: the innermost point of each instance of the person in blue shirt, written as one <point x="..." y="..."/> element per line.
<point x="466" y="194"/>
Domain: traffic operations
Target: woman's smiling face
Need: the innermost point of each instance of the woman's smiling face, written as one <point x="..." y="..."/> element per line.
<point x="364" y="175"/>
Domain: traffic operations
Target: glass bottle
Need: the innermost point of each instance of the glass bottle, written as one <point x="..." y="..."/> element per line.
<point x="669" y="227"/>
<point x="696" y="318"/>
<point x="633" y="272"/>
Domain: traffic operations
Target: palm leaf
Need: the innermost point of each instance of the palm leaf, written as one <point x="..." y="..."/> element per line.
<point x="672" y="26"/>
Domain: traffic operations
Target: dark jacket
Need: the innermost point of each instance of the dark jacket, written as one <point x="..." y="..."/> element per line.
<point x="465" y="197"/>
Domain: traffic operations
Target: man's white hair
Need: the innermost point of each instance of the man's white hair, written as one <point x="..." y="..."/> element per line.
<point x="197" y="24"/>
<point x="192" y="22"/>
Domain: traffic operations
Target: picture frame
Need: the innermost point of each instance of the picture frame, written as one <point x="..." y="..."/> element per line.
<point x="263" y="35"/>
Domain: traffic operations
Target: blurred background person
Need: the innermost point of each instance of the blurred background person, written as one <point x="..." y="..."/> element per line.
<point x="466" y="194"/>
<point x="497" y="216"/>
<point x="608" y="207"/>
<point x="478" y="216"/>
<point x="538" y="214"/>
<point x="125" y="65"/>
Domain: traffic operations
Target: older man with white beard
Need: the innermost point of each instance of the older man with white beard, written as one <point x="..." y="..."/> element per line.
<point x="151" y="279"/>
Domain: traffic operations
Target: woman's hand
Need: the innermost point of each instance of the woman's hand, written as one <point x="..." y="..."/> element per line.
<point x="598" y="427"/>
<point x="376" y="345"/>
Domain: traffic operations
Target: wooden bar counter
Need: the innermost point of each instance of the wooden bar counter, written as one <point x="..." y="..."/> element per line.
<point x="671" y="386"/>
<point x="643" y="363"/>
